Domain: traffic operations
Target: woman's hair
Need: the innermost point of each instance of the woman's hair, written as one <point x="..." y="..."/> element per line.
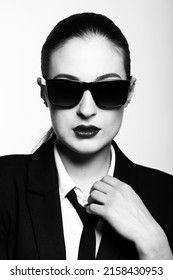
<point x="81" y="26"/>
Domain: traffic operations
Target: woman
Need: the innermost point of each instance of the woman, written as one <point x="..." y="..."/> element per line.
<point x="86" y="85"/>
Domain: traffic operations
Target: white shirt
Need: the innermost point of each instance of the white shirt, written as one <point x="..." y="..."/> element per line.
<point x="72" y="225"/>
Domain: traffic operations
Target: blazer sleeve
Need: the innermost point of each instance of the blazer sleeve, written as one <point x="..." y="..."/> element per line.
<point x="11" y="168"/>
<point x="156" y="191"/>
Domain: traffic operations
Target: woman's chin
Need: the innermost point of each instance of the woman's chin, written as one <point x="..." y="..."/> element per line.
<point x="87" y="148"/>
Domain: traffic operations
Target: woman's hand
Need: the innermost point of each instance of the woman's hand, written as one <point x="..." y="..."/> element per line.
<point x="122" y="208"/>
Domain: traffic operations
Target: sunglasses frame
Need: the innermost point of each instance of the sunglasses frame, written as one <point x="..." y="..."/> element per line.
<point x="86" y="86"/>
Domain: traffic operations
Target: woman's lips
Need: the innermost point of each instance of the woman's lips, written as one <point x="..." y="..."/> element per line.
<point x="84" y="131"/>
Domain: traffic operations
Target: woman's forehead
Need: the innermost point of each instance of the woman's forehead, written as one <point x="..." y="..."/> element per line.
<point x="87" y="57"/>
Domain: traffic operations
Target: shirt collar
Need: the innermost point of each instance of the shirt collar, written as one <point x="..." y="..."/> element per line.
<point x="66" y="184"/>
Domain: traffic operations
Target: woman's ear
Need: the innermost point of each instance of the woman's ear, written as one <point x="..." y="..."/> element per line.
<point x="42" y="90"/>
<point x="131" y="91"/>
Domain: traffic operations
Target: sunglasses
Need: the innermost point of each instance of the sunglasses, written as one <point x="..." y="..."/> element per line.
<point x="66" y="94"/>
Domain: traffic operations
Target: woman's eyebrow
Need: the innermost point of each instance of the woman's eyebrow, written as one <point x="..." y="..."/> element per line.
<point x="68" y="76"/>
<point x="109" y="75"/>
<point x="100" y="78"/>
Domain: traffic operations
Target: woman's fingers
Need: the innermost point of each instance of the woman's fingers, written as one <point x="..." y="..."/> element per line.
<point x="97" y="197"/>
<point x="101" y="186"/>
<point x="96" y="209"/>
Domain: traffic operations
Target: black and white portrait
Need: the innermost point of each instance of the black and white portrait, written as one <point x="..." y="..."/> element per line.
<point x="86" y="120"/>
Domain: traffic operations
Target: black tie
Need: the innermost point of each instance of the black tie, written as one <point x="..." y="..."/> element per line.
<point x="88" y="240"/>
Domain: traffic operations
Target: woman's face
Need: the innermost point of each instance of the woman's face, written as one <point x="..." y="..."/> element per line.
<point x="86" y="60"/>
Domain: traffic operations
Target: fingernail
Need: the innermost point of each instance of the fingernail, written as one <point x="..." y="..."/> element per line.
<point x="86" y="205"/>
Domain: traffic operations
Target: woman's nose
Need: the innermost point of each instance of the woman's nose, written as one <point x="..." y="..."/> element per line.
<point x="87" y="107"/>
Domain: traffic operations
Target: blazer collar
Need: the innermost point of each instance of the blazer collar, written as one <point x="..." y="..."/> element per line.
<point x="125" y="169"/>
<point x="42" y="169"/>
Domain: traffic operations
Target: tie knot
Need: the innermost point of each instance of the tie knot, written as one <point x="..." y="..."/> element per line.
<point x="84" y="216"/>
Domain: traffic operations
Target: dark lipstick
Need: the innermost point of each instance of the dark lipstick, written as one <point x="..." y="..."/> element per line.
<point x="86" y="131"/>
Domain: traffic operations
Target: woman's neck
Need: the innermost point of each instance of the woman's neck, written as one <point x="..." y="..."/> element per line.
<point x="85" y="169"/>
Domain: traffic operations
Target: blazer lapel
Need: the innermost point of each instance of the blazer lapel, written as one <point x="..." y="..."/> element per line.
<point x="44" y="203"/>
<point x="125" y="169"/>
<point x="114" y="246"/>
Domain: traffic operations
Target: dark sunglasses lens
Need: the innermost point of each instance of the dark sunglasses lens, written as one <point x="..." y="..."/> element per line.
<point x="64" y="93"/>
<point x="111" y="94"/>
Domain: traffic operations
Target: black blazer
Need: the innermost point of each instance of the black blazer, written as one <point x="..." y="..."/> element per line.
<point x="30" y="213"/>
